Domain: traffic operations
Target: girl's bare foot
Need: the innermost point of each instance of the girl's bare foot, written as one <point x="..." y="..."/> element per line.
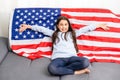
<point x="82" y="71"/>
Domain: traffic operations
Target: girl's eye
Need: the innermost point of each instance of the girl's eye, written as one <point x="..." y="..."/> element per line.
<point x="61" y="24"/>
<point x="65" y="24"/>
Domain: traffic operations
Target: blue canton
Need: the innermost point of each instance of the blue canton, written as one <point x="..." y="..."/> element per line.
<point x="33" y="16"/>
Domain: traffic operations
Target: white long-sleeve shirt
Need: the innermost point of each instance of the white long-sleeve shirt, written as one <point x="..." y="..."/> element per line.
<point x="63" y="48"/>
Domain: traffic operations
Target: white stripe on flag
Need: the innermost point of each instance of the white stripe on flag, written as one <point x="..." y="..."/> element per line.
<point x="98" y="44"/>
<point x="30" y="41"/>
<point x="104" y="34"/>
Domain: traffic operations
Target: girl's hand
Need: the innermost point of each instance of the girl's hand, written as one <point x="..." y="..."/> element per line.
<point x="23" y="27"/>
<point x="103" y="26"/>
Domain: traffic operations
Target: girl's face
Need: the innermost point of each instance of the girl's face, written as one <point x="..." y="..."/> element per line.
<point x="63" y="26"/>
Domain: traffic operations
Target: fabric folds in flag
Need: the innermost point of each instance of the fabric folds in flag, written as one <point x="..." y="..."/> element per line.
<point x="97" y="46"/>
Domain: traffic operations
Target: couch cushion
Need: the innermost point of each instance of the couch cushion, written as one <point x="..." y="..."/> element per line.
<point x="3" y="48"/>
<point x="38" y="70"/>
<point x="75" y="77"/>
<point x="15" y="67"/>
<point x="105" y="71"/>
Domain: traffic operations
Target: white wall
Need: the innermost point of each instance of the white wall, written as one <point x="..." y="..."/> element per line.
<point x="8" y="5"/>
<point x="110" y="4"/>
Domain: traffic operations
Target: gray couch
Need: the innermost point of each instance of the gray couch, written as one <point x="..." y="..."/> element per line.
<point x="14" y="67"/>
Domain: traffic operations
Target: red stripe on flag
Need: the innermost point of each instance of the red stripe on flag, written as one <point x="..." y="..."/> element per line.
<point x="32" y="46"/>
<point x="96" y="10"/>
<point x="99" y="55"/>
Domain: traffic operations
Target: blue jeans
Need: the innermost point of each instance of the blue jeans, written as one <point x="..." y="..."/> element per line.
<point x="65" y="66"/>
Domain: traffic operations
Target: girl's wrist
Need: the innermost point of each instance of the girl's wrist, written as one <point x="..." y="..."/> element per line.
<point x="99" y="25"/>
<point x="29" y="26"/>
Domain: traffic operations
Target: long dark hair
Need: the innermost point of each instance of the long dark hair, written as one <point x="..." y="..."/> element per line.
<point x="55" y="34"/>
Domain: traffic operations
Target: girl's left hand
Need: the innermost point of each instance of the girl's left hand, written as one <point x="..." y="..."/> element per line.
<point x="103" y="26"/>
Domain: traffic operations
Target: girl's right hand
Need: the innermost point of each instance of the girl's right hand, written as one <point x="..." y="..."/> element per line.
<point x="23" y="27"/>
<point x="103" y="26"/>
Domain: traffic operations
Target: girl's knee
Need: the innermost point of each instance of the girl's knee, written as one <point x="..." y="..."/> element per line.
<point x="86" y="63"/>
<point x="52" y="69"/>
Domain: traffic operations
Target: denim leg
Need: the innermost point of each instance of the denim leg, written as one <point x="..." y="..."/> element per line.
<point x="57" y="67"/>
<point x="78" y="63"/>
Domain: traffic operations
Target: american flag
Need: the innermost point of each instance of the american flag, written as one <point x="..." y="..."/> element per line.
<point x="98" y="45"/>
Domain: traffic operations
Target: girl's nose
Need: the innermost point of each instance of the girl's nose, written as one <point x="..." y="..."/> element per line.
<point x="63" y="26"/>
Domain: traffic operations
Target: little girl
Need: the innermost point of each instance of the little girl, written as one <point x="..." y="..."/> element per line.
<point x="64" y="51"/>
